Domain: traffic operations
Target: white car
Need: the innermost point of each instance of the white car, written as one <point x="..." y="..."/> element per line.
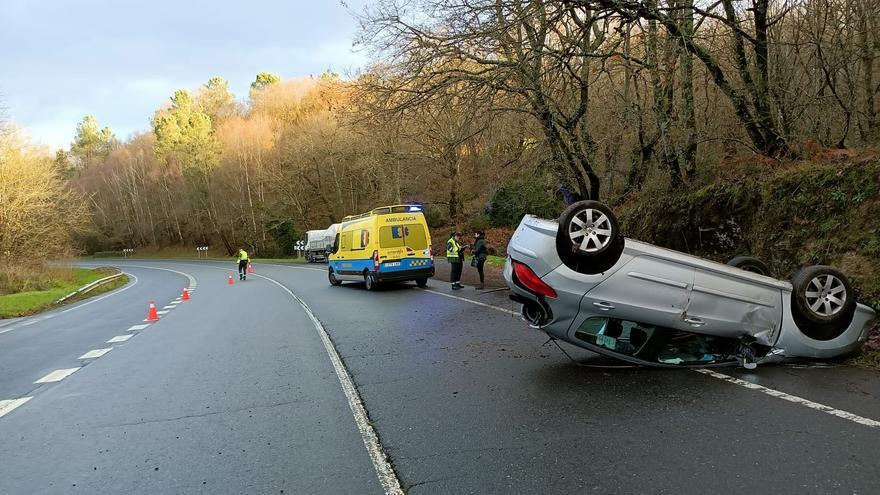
<point x="581" y="281"/>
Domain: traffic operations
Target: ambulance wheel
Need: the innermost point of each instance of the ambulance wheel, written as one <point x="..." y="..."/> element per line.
<point x="333" y="280"/>
<point x="369" y="281"/>
<point x="422" y="282"/>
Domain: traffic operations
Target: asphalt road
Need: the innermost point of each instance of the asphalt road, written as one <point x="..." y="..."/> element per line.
<point x="240" y="390"/>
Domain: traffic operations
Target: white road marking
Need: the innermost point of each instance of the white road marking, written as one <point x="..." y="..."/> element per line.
<point x="192" y="280"/>
<point x="95" y="353"/>
<point x="163" y="312"/>
<point x="135" y="328"/>
<point x="119" y="338"/>
<point x="769" y="391"/>
<point x="7" y="406"/>
<point x="57" y="375"/>
<point x="170" y="306"/>
<point x="72" y="308"/>
<point x="478" y="303"/>
<point x="384" y="471"/>
<point x="792" y="398"/>
<point x="105" y="297"/>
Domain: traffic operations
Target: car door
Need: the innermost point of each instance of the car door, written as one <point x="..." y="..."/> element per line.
<point x="647" y="290"/>
<point x="730" y="304"/>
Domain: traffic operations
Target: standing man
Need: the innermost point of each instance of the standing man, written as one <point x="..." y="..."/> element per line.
<point x="480" y="252"/>
<point x="455" y="257"/>
<point x="242" y="264"/>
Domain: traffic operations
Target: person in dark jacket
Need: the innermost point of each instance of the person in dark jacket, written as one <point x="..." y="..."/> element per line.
<point x="481" y="252"/>
<point x="455" y="257"/>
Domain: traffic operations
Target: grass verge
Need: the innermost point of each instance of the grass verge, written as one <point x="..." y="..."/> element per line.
<point x="496" y="260"/>
<point x="68" y="280"/>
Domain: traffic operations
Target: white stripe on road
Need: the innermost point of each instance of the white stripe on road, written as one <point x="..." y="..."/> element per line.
<point x="138" y="327"/>
<point x="7" y="406"/>
<point x="478" y="303"/>
<point x="86" y="303"/>
<point x="170" y="306"/>
<point x="792" y="398"/>
<point x="95" y="353"/>
<point x="162" y="312"/>
<point x="192" y="280"/>
<point x="119" y="338"/>
<point x="769" y="391"/>
<point x="57" y="375"/>
<point x="387" y="477"/>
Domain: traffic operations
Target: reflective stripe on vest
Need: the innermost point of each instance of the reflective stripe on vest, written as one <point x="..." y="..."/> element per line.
<point x="452" y="248"/>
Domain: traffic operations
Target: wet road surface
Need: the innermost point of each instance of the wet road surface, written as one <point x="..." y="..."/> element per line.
<point x="236" y="391"/>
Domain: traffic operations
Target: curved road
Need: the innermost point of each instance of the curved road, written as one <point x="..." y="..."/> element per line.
<point x="284" y="384"/>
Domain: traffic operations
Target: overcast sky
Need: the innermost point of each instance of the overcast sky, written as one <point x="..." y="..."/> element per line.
<point x="120" y="60"/>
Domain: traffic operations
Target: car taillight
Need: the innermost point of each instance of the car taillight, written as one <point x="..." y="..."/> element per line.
<point x="531" y="281"/>
<point x="375" y="261"/>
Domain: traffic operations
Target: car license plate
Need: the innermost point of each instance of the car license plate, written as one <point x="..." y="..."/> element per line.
<point x="393" y="263"/>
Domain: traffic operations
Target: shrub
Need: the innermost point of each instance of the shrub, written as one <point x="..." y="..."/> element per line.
<point x="517" y="197"/>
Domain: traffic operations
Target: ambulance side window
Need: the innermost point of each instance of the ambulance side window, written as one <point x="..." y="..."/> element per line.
<point x="361" y="241"/>
<point x="345" y="241"/>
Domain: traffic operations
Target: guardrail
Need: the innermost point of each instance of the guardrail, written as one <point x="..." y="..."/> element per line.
<point x="90" y="286"/>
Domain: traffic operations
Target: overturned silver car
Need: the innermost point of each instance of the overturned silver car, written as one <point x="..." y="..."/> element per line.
<point x="578" y="279"/>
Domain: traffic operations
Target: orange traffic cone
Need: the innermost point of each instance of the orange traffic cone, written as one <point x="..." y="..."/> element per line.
<point x="185" y="295"/>
<point x="151" y="314"/>
<point x="230" y="280"/>
<point x="250" y="268"/>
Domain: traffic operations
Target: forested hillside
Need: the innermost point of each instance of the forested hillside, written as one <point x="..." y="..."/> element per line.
<point x="484" y="110"/>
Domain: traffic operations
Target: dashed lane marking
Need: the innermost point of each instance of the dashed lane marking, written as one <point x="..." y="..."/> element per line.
<point x="119" y="338"/>
<point x="7" y="406"/>
<point x="95" y="353"/>
<point x="135" y="328"/>
<point x="792" y="398"/>
<point x="736" y="381"/>
<point x="170" y="306"/>
<point x="163" y="312"/>
<point x="57" y="375"/>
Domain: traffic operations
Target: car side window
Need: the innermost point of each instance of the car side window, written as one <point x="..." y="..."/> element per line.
<point x="625" y="337"/>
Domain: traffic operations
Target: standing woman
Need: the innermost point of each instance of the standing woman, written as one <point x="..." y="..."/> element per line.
<point x="481" y="252"/>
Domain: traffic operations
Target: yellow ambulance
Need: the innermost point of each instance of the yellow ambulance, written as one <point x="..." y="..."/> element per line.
<point x="387" y="244"/>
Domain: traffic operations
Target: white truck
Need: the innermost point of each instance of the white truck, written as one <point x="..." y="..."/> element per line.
<point x="316" y="246"/>
<point x="330" y="236"/>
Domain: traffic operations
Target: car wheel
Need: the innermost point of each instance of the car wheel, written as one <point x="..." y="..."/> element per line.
<point x="369" y="282"/>
<point x="422" y="282"/>
<point x="588" y="240"/>
<point x="822" y="302"/>
<point x="750" y="264"/>
<point x="333" y="280"/>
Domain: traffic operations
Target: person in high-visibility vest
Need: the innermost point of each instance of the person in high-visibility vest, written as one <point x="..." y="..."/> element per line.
<point x="455" y="257"/>
<point x="242" y="264"/>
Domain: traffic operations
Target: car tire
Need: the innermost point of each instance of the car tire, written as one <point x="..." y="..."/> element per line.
<point x="822" y="302"/>
<point x="588" y="239"/>
<point x="369" y="281"/>
<point x="750" y="264"/>
<point x="422" y="282"/>
<point x="335" y="282"/>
